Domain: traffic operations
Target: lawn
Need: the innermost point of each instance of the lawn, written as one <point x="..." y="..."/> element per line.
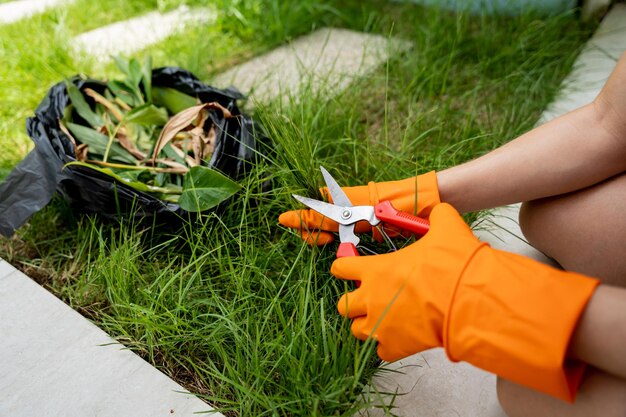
<point x="235" y="308"/>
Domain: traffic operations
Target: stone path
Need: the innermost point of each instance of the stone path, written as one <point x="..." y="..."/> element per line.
<point x="431" y="385"/>
<point x="17" y="10"/>
<point x="326" y="61"/>
<point x="123" y="38"/>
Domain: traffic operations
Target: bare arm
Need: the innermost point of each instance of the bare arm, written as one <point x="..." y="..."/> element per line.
<point x="574" y="151"/>
<point x="600" y="337"/>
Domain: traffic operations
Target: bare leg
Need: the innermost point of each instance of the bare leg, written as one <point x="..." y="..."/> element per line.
<point x="600" y="395"/>
<point x="585" y="231"/>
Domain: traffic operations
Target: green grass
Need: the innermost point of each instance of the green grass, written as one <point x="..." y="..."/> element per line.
<point x="236" y="308"/>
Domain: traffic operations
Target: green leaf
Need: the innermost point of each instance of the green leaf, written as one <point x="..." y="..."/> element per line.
<point x="147" y="78"/>
<point x="97" y="143"/>
<point x="123" y="92"/>
<point x="82" y="108"/>
<point x="141" y="136"/>
<point x="136" y="175"/>
<point x="173" y="100"/>
<point x="67" y="113"/>
<point x="122" y="64"/>
<point x="147" y="115"/>
<point x="135" y="72"/>
<point x="204" y="188"/>
<point x="137" y="185"/>
<point x="170" y="153"/>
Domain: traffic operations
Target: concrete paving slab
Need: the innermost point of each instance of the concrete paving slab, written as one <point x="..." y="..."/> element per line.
<point x="56" y="363"/>
<point x="123" y="38"/>
<point x="432" y="385"/>
<point x="327" y="61"/>
<point x="5" y="268"/>
<point x="21" y="9"/>
<point x="429" y="385"/>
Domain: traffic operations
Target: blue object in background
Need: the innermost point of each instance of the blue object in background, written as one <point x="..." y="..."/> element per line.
<point x="506" y="7"/>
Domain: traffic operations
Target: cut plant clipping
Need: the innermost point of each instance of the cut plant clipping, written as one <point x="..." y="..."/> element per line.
<point x="149" y="138"/>
<point x="151" y="142"/>
<point x="122" y="131"/>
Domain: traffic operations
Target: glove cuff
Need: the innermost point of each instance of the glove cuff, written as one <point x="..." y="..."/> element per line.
<point x="513" y="316"/>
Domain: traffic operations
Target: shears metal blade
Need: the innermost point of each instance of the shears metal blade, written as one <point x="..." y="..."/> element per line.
<point x="346" y="233"/>
<point x="346" y="215"/>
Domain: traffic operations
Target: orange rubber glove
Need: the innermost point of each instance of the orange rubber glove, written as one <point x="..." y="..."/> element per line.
<point x="416" y="195"/>
<point x="502" y="312"/>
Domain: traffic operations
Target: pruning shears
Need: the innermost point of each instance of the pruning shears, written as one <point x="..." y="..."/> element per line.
<point x="343" y="212"/>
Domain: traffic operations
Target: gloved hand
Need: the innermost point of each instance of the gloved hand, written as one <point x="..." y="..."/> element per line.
<point x="502" y="312"/>
<point x="417" y="195"/>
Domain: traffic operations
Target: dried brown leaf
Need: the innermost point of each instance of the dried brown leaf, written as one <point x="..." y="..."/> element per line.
<point x="172" y="164"/>
<point x="215" y="105"/>
<point x="196" y="131"/>
<point x="210" y="137"/>
<point x="130" y="146"/>
<point x="196" y="146"/>
<point x="106" y="103"/>
<point x="67" y="133"/>
<point x="178" y="150"/>
<point x="123" y="105"/>
<point x="209" y="142"/>
<point x="190" y="161"/>
<point x="176" y="124"/>
<point x="81" y="152"/>
<point x="201" y="119"/>
<point x="192" y="120"/>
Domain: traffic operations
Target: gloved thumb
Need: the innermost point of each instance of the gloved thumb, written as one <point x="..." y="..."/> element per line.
<point x="445" y="220"/>
<point x="351" y="267"/>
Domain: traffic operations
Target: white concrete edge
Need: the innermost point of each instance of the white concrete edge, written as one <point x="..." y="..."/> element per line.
<point x="17" y="10"/>
<point x="126" y="37"/>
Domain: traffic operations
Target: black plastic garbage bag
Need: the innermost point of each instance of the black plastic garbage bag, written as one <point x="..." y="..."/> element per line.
<point x="32" y="184"/>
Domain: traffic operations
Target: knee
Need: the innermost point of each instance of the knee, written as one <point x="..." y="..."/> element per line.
<point x="599" y="395"/>
<point x="508" y="398"/>
<point x="519" y="401"/>
<point x="534" y="221"/>
<point x="505" y="398"/>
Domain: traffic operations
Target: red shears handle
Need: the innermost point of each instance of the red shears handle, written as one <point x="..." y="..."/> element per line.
<point x="387" y="213"/>
<point x="347" y="249"/>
